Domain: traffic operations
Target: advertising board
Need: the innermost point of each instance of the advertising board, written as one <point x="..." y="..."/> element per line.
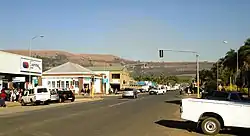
<point x="30" y="66"/>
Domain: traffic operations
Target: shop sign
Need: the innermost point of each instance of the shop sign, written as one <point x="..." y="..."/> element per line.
<point x="30" y="66"/>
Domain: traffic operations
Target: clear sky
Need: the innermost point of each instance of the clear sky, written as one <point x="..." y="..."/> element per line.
<point x="133" y="29"/>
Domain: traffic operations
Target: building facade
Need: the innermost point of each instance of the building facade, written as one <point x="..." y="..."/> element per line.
<point x="17" y="71"/>
<point x="118" y="76"/>
<point x="73" y="77"/>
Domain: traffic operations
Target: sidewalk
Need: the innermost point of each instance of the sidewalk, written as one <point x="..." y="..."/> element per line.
<point x="189" y="96"/>
<point x="78" y="99"/>
<point x="96" y="95"/>
<point x="18" y="109"/>
<point x="12" y="104"/>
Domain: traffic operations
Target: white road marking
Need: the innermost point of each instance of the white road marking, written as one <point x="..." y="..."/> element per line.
<point x="112" y="105"/>
<point x="120" y="103"/>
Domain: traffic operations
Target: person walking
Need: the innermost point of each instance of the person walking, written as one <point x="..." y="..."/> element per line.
<point x="3" y="96"/>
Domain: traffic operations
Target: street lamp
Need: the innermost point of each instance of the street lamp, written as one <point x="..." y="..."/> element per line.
<point x="30" y="45"/>
<point x="197" y="64"/>
<point x="237" y="63"/>
<point x="237" y="58"/>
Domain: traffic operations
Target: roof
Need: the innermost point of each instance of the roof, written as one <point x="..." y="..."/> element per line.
<point x="109" y="68"/>
<point x="67" y="68"/>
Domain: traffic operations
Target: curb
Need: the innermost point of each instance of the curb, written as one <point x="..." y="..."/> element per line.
<point x="12" y="104"/>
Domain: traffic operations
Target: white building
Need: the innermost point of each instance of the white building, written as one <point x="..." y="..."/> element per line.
<point x="18" y="69"/>
<point x="72" y="76"/>
<point x="105" y="81"/>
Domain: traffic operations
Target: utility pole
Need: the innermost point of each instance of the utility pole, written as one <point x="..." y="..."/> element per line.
<point x="30" y="55"/>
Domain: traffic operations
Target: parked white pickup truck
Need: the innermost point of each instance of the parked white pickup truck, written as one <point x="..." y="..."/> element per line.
<point x="36" y="96"/>
<point x="212" y="115"/>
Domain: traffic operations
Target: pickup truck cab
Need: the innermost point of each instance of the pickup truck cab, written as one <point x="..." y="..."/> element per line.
<point x="35" y="96"/>
<point x="226" y="96"/>
<point x="212" y="115"/>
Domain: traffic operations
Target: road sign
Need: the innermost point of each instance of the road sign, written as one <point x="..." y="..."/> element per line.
<point x="105" y="80"/>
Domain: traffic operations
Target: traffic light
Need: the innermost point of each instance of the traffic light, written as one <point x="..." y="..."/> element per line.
<point x="161" y="53"/>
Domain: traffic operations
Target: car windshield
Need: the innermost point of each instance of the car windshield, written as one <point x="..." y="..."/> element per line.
<point x="42" y="90"/>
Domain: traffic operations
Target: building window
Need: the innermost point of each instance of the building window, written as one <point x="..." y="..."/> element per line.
<point x="115" y="76"/>
<point x="62" y="84"/>
<point x="76" y="84"/>
<point x="58" y="84"/>
<point x="53" y="84"/>
<point x="67" y="84"/>
<point x="71" y="83"/>
<point x="49" y="84"/>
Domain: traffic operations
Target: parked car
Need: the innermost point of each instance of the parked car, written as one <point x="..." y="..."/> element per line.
<point x="213" y="115"/>
<point x="157" y="91"/>
<point x="36" y="96"/>
<point x="130" y="92"/>
<point x="66" y="95"/>
<point x="142" y="90"/>
<point x="54" y="95"/>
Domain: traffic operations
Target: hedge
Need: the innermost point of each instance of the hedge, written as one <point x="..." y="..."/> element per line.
<point x="234" y="88"/>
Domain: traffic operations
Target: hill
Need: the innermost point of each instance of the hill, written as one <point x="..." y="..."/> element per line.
<point x="52" y="58"/>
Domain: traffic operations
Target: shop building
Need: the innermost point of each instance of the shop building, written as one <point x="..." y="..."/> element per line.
<point x="73" y="77"/>
<point x="105" y="77"/>
<point x="118" y="76"/>
<point x="16" y="71"/>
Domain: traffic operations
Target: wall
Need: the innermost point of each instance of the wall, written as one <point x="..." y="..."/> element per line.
<point x="124" y="76"/>
<point x="107" y="73"/>
<point x="46" y="79"/>
<point x="97" y="86"/>
<point x="14" y="64"/>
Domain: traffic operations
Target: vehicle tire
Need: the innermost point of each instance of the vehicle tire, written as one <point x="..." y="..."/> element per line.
<point x="23" y="103"/>
<point x="72" y="100"/>
<point x="134" y="96"/>
<point x="210" y="126"/>
<point x="33" y="103"/>
<point x="46" y="103"/>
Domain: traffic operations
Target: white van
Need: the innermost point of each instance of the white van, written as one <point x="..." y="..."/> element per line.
<point x="36" y="96"/>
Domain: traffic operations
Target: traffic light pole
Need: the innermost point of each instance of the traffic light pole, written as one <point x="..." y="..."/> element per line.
<point x="197" y="64"/>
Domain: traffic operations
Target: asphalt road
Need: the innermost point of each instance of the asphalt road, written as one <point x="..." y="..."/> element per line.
<point x="149" y="115"/>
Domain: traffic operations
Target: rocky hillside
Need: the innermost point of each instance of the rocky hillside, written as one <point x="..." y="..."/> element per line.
<point x="54" y="58"/>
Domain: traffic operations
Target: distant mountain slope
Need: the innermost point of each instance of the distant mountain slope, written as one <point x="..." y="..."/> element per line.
<point x="52" y="58"/>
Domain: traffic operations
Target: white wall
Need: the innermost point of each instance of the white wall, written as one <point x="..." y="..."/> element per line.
<point x="107" y="76"/>
<point x="45" y="81"/>
<point x="12" y="63"/>
<point x="97" y="86"/>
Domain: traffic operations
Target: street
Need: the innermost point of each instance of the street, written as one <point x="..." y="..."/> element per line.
<point x="149" y="115"/>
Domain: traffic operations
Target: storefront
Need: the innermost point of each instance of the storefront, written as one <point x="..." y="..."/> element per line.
<point x="71" y="76"/>
<point x="16" y="70"/>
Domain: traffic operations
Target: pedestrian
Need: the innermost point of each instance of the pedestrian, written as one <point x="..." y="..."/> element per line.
<point x="12" y="96"/>
<point x="2" y="98"/>
<point x="88" y="91"/>
<point x="17" y="96"/>
<point x="188" y="91"/>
